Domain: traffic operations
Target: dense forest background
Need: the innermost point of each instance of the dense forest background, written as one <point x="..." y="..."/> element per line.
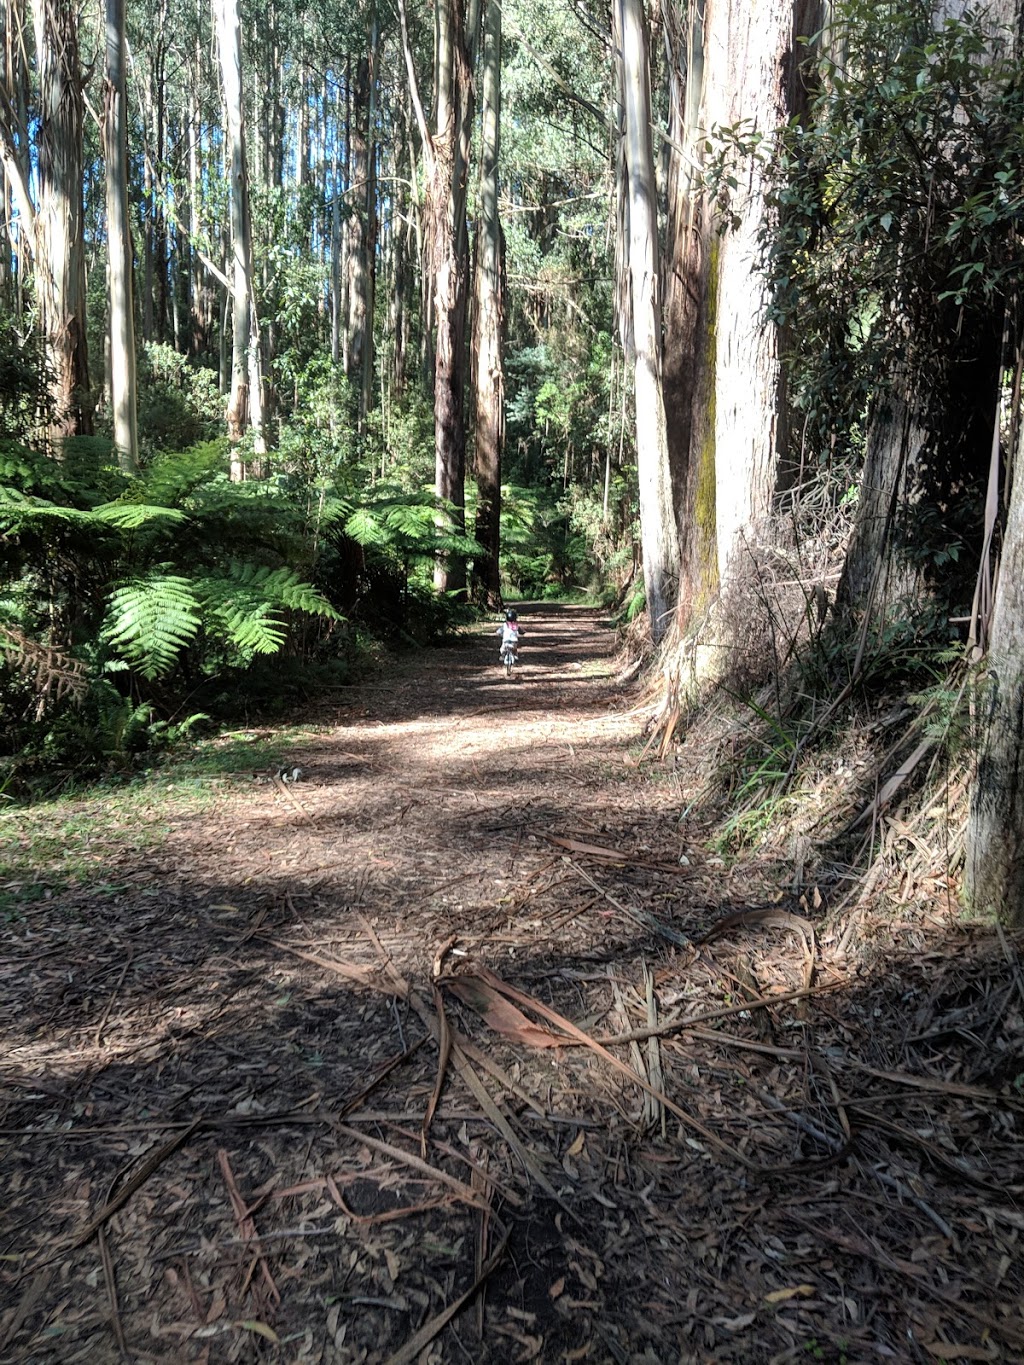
<point x="319" y="331"/>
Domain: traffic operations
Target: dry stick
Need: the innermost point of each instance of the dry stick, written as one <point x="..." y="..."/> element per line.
<point x="444" y="1049"/>
<point x="111" y="1283"/>
<point x="480" y="1250"/>
<point x="493" y="1112"/>
<point x="283" y="790"/>
<point x="692" y="1021"/>
<point x="464" y="1192"/>
<point x="430" y="1330"/>
<point x="151" y="1164"/>
<point x="905" y="1192"/>
<point x="461" y="1064"/>
<point x="566" y="1025"/>
<point x="353" y="972"/>
<point x="640" y="917"/>
<point x="246" y="1226"/>
<point x="98" y="1035"/>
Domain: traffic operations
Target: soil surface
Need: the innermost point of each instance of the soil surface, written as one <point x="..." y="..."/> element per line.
<point x="335" y="1069"/>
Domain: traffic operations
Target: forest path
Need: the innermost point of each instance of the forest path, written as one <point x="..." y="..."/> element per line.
<point x="218" y="1070"/>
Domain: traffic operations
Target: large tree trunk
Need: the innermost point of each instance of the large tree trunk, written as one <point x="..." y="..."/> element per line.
<point x="119" y="246"/>
<point x="994" y="873"/>
<point x="244" y="401"/>
<point x="489" y="323"/>
<point x="363" y="224"/>
<point x="688" y="368"/>
<point x="728" y="398"/>
<point x="14" y="147"/>
<point x="659" y="542"/>
<point x="60" y="255"/>
<point x="446" y="200"/>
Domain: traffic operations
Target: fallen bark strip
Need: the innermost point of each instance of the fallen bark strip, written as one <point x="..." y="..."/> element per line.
<point x="467" y="1195"/>
<point x="350" y="970"/>
<point x="577" y="1035"/>
<point x="444" y="1052"/>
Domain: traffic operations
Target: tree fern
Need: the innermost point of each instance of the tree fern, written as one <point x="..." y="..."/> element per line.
<point x="245" y="603"/>
<point x="151" y="620"/>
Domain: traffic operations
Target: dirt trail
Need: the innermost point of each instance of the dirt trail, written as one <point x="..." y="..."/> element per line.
<point x="215" y="1142"/>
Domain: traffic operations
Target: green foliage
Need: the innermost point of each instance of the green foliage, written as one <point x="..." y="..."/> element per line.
<point x="151" y="620"/>
<point x="21" y="376"/>
<point x="895" y="206"/>
<point x="179" y="404"/>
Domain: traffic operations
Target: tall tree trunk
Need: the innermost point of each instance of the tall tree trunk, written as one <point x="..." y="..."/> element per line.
<point x="363" y="222"/>
<point x="727" y="393"/>
<point x="657" y="516"/>
<point x="244" y="402"/>
<point x="446" y="198"/>
<point x="994" y="871"/>
<point x="119" y="246"/>
<point x="14" y="147"/>
<point x="489" y="322"/>
<point x="689" y="329"/>
<point x="60" y="254"/>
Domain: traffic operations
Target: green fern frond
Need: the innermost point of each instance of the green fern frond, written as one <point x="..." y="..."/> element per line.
<point x="133" y="516"/>
<point x="18" y="511"/>
<point x="151" y="620"/>
<point x="366" y="529"/>
<point x="243" y="603"/>
<point x="281" y="587"/>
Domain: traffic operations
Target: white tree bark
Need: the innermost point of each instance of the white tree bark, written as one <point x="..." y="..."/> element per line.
<point x="245" y="407"/>
<point x="657" y="516"/>
<point x="994" y="873"/>
<point x="119" y="246"/>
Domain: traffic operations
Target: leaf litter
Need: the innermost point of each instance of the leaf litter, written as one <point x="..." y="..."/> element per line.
<point x="465" y="1047"/>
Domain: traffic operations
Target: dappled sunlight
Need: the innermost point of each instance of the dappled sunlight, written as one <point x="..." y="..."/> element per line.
<point x="233" y="1022"/>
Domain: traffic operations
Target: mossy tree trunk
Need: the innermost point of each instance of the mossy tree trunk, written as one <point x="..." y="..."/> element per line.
<point x="722" y="357"/>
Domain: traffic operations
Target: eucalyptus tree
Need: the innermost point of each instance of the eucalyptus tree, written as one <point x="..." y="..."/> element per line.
<point x="489" y="319"/>
<point x="658" y="537"/>
<point x="446" y="165"/>
<point x="362" y="221"/>
<point x="245" y="399"/>
<point x="49" y="201"/>
<point x="122" y="376"/>
<point x="729" y="401"/>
